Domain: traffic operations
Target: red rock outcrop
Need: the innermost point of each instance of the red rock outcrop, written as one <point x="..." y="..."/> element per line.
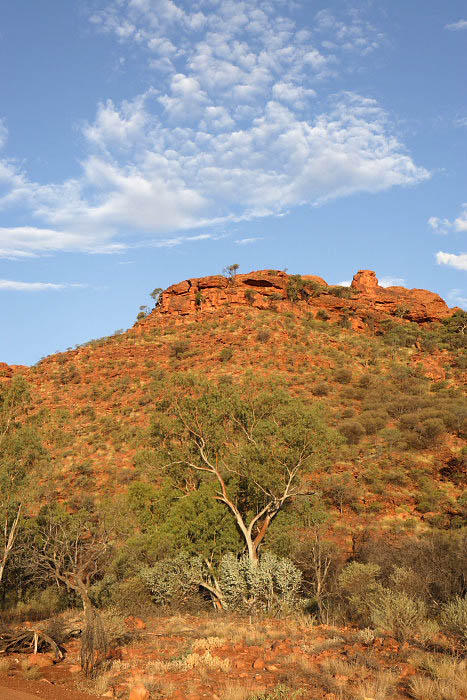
<point x="265" y="289"/>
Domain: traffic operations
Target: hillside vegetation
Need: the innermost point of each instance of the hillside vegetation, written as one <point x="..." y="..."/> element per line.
<point x="258" y="444"/>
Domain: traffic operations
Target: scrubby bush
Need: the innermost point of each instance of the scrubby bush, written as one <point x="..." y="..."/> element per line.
<point x="179" y="348"/>
<point x="322" y="315"/>
<point x="225" y="354"/>
<point x="271" y="584"/>
<point x="372" y="421"/>
<point x="342" y="375"/>
<point x="320" y="389"/>
<point x="400" y="615"/>
<point x="352" y="430"/>
<point x="359" y="586"/>
<point x="453" y="618"/>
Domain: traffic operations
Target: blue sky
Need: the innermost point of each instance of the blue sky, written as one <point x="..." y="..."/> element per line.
<point x="146" y="141"/>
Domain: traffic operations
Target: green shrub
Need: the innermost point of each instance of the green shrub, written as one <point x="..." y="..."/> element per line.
<point x="179" y="348"/>
<point x="453" y="618"/>
<point x="401" y="616"/>
<point x="360" y="589"/>
<point x="270" y="585"/>
<point x="372" y="421"/>
<point x="352" y="430"/>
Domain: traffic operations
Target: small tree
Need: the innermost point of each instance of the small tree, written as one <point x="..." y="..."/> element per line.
<point x="72" y="550"/>
<point x="231" y="271"/>
<point x="156" y="295"/>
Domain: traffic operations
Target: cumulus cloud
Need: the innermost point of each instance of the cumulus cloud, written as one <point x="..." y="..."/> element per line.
<point x="457" y="26"/>
<point x="239" y="119"/>
<point x="459" y="261"/>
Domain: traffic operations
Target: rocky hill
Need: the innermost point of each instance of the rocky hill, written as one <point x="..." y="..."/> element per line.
<point x="356" y="350"/>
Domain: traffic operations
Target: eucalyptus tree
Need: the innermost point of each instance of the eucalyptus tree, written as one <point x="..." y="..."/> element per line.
<point x="255" y="441"/>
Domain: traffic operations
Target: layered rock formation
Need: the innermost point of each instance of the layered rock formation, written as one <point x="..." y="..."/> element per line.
<point x="265" y="289"/>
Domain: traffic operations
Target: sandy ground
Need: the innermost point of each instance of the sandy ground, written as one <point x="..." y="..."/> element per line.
<point x="15" y="689"/>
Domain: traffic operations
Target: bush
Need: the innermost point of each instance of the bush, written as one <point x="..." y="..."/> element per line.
<point x="322" y="315"/>
<point x="320" y="389"/>
<point x="453" y="618"/>
<point x="372" y="421"/>
<point x="360" y="589"/>
<point x="116" y="631"/>
<point x="352" y="430"/>
<point x="179" y="348"/>
<point x="271" y="585"/>
<point x="342" y="375"/>
<point x="403" y="617"/>
<point x="225" y="354"/>
<point x="263" y="336"/>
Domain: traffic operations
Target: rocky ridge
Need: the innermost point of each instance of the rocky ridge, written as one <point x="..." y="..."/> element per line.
<point x="365" y="300"/>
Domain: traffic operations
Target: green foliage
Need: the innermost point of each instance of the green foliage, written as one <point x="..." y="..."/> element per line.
<point x="340" y="489"/>
<point x="454" y="330"/>
<point x="179" y="349"/>
<point x="400" y="615"/>
<point x="453" y="618"/>
<point x="231" y="271"/>
<point x="352" y="430"/>
<point x="320" y="389"/>
<point x="270" y="585"/>
<point x="360" y="589"/>
<point x="298" y="288"/>
<point x="256" y="433"/>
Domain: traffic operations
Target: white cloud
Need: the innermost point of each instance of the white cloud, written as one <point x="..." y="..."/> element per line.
<point x="234" y="124"/>
<point x="345" y="283"/>
<point x="12" y="285"/>
<point x="28" y="242"/>
<point x="457" y="26"/>
<point x="459" y="262"/>
<point x="248" y="241"/>
<point x="445" y="225"/>
<point x="391" y="282"/>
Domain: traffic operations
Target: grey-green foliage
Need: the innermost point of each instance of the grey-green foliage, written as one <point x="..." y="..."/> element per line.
<point x="271" y="585"/>
<point x="174" y="579"/>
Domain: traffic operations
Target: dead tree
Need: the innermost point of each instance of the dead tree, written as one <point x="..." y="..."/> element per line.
<point x="74" y="553"/>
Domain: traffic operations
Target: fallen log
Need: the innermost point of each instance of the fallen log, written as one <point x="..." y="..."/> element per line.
<point x="29" y="641"/>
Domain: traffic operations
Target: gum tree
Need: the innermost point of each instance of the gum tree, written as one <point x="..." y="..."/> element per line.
<point x="255" y="441"/>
